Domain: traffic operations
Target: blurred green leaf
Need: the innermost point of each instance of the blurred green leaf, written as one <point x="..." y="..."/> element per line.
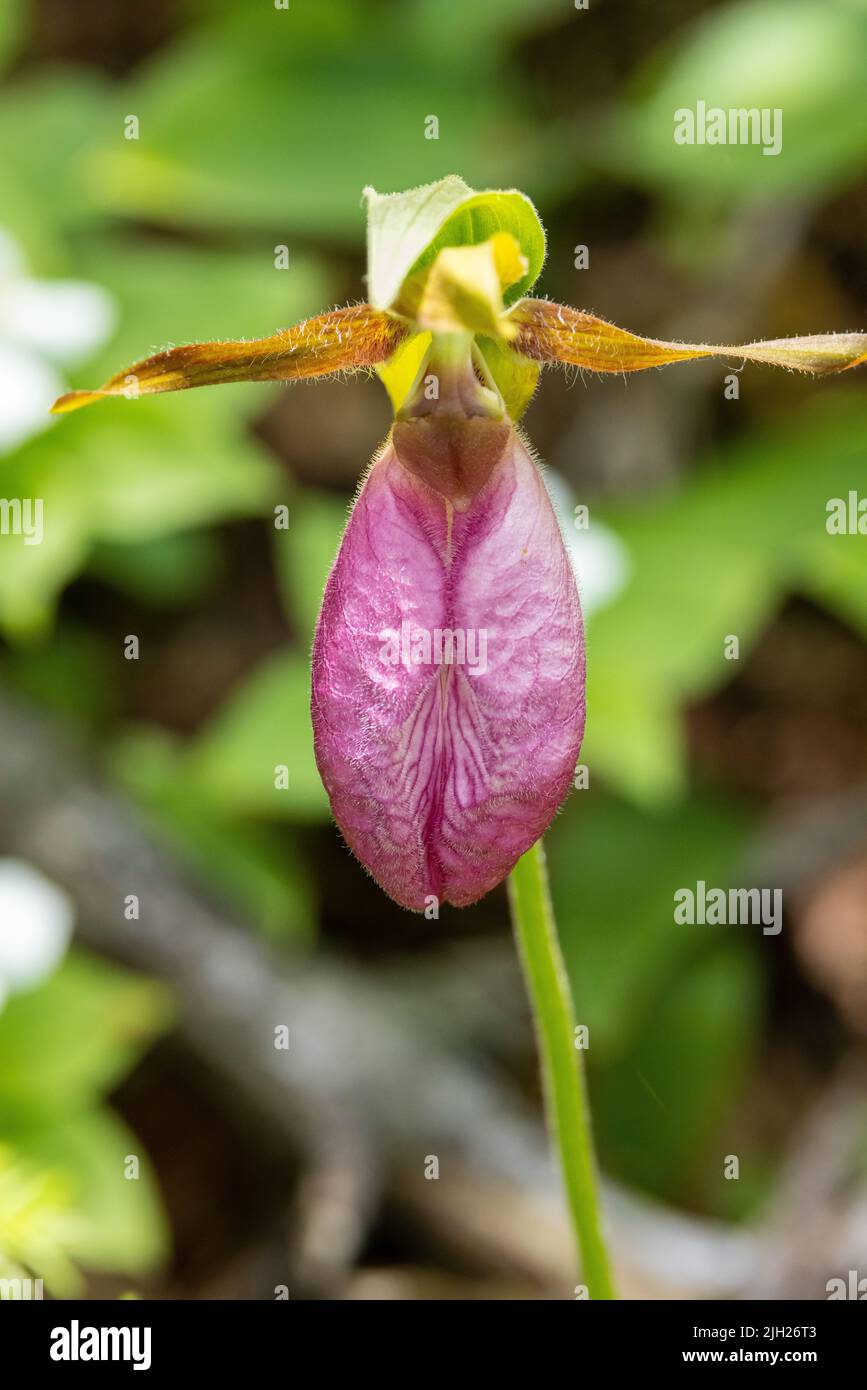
<point x="118" y="1222"/>
<point x="634" y="738"/>
<point x="170" y="467"/>
<point x="305" y="552"/>
<point x="37" y="1224"/>
<point x="46" y="121"/>
<point x="138" y="471"/>
<point x="804" y="59"/>
<point x="66" y="1043"/>
<point x="835" y="574"/>
<point x="487" y="31"/>
<point x="167" y="572"/>
<point x="70" y="675"/>
<point x="660" y="1104"/>
<point x="263" y="726"/>
<point x="614" y="872"/>
<point x="360" y="84"/>
<point x="259" y="872"/>
<point x="32" y="576"/>
<point x="715" y="560"/>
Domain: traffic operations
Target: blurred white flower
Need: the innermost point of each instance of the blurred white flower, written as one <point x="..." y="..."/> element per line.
<point x="599" y="557"/>
<point x="36" y="920"/>
<point x="44" y="324"/>
<point x="601" y="564"/>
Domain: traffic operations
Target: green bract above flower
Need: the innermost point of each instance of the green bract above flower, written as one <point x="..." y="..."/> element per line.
<point x="406" y="232"/>
<point x="445" y="258"/>
<point x="446" y="261"/>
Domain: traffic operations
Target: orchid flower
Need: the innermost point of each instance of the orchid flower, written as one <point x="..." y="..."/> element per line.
<point x="448" y="664"/>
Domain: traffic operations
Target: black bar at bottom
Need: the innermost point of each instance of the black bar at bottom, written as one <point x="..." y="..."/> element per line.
<point x="83" y="1340"/>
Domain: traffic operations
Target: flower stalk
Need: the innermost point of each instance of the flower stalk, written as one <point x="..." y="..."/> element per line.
<point x="563" y="1079"/>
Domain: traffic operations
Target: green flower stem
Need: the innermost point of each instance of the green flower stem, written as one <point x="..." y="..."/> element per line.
<point x="563" y="1078"/>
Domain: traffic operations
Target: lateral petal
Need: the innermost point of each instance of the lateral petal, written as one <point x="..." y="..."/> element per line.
<point x="342" y="340"/>
<point x="558" y="333"/>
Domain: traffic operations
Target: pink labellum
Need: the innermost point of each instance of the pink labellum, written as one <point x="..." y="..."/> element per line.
<point x="448" y="665"/>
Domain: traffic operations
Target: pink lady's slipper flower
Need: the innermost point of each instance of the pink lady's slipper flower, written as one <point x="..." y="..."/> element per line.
<point x="448" y="663"/>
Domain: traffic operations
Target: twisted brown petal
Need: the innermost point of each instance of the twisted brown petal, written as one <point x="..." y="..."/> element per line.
<point x="342" y="340"/>
<point x="557" y="333"/>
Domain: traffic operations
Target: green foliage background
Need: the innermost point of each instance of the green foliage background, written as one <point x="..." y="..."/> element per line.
<point x="258" y="128"/>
